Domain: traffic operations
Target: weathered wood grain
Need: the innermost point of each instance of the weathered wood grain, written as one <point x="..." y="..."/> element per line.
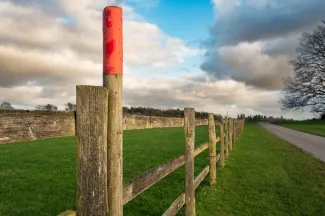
<point x="68" y="213"/>
<point x="201" y="176"/>
<point x="212" y="149"/>
<point x="92" y="151"/>
<point x="115" y="143"/>
<point x="201" y="148"/>
<point x="226" y="125"/>
<point x="175" y="206"/>
<point x="189" y="134"/>
<point x="222" y="145"/>
<point x="230" y="134"/>
<point x="139" y="184"/>
<point x="217" y="158"/>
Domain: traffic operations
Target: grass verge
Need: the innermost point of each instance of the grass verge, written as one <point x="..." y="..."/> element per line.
<point x="312" y="127"/>
<point x="265" y="176"/>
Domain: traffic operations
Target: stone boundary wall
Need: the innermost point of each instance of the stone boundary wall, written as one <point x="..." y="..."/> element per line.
<point x="25" y="125"/>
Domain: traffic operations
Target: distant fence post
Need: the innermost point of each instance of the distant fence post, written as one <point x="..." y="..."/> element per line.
<point x="189" y="133"/>
<point x="242" y="125"/>
<point x="212" y="149"/>
<point x="230" y="133"/>
<point x="226" y="123"/>
<point x="112" y="79"/>
<point x="222" y="144"/>
<point x="91" y="151"/>
<point x="234" y="131"/>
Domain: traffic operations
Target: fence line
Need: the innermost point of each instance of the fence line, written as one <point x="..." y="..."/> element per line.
<point x="87" y="144"/>
<point x="100" y="187"/>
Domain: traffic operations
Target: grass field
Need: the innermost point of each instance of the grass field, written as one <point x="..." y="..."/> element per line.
<point x="263" y="176"/>
<point x="313" y="127"/>
<point x="38" y="178"/>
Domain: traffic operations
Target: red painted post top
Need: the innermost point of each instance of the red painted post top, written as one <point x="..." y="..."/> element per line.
<point x="112" y="40"/>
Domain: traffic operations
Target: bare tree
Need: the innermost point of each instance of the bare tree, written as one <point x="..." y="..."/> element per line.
<point x="6" y="106"/>
<point x="49" y="107"/>
<point x="70" y="106"/>
<point x="306" y="89"/>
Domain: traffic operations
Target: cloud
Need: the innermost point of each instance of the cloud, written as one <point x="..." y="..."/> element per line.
<point x="218" y="96"/>
<point x="20" y="67"/>
<point x="251" y="21"/>
<point x="54" y="45"/>
<point x="246" y="62"/>
<point x="224" y="7"/>
<point x="254" y="41"/>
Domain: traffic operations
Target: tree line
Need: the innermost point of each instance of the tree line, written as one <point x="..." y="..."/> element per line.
<point x="142" y="111"/>
<point x="49" y="107"/>
<point x="258" y="118"/>
<point x="148" y="111"/>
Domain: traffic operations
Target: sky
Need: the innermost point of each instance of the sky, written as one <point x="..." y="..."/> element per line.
<point x="219" y="56"/>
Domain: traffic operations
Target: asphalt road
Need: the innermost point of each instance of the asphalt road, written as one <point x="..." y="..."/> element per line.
<point x="308" y="142"/>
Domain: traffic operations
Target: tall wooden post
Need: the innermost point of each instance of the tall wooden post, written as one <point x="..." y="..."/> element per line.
<point x="91" y="151"/>
<point x="222" y="144"/>
<point x="189" y="134"/>
<point x="212" y="149"/>
<point x="112" y="79"/>
<point x="226" y="123"/>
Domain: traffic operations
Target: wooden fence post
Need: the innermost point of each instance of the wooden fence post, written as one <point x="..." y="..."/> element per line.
<point x="237" y="127"/>
<point x="91" y="150"/>
<point x="242" y="125"/>
<point x="112" y="79"/>
<point x="234" y="131"/>
<point x="212" y="149"/>
<point x="222" y="144"/>
<point x="230" y="134"/>
<point x="189" y="134"/>
<point x="226" y="136"/>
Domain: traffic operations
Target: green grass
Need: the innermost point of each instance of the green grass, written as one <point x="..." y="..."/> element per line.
<point x="312" y="127"/>
<point x="38" y="178"/>
<point x="263" y="176"/>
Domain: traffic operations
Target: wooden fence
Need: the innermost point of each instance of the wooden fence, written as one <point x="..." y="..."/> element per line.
<point x="93" y="157"/>
<point x="100" y="187"/>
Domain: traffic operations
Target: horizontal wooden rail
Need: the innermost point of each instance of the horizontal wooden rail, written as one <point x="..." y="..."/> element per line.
<point x="201" y="148"/>
<point x="68" y="213"/>
<point x="201" y="176"/>
<point x="142" y="182"/>
<point x="175" y="206"/>
<point x="217" y="158"/>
